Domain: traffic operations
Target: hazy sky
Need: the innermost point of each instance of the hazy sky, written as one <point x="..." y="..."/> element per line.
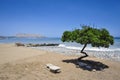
<point x="52" y="17"/>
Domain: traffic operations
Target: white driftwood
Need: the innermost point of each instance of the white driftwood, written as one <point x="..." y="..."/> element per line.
<point x="53" y="68"/>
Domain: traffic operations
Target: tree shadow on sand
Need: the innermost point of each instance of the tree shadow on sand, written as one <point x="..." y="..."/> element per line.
<point x="89" y="65"/>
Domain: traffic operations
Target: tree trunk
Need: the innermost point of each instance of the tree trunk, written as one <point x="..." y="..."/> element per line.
<point x="83" y="53"/>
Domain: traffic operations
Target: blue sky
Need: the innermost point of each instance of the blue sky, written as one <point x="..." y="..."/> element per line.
<point x="52" y="17"/>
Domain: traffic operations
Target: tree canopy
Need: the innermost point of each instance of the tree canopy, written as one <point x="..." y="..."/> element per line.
<point x="89" y="35"/>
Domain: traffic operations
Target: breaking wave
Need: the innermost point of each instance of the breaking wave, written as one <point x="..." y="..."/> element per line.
<point x="89" y="48"/>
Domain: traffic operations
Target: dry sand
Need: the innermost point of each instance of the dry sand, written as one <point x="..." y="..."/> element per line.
<point x="22" y="63"/>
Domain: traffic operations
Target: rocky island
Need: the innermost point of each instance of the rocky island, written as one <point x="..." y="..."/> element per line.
<point x="2" y="37"/>
<point x="25" y="35"/>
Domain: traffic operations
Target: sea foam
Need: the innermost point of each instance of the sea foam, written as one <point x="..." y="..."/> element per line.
<point x="89" y="48"/>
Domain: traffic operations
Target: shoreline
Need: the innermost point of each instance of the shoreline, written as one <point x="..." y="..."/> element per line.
<point x="54" y="47"/>
<point x="102" y="54"/>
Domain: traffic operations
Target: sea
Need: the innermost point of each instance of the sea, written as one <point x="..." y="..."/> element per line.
<point x="71" y="48"/>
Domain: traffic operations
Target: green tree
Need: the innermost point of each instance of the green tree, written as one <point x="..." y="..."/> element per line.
<point x="89" y="35"/>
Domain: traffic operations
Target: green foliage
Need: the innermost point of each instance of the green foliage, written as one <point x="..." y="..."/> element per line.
<point x="66" y="36"/>
<point x="88" y="35"/>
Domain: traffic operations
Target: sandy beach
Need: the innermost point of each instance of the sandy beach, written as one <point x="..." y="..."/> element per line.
<point x="23" y="63"/>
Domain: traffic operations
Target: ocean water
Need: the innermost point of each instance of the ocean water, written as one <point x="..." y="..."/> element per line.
<point x="68" y="45"/>
<point x="113" y="52"/>
<point x="31" y="40"/>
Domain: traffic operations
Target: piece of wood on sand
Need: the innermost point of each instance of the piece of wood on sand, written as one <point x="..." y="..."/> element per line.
<point x="53" y="68"/>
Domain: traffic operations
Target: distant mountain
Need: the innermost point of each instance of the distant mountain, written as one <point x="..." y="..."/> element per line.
<point x="2" y="37"/>
<point x="25" y="35"/>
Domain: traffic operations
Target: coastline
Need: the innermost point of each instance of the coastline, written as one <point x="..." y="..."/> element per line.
<point x="109" y="55"/>
<point x="23" y="63"/>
